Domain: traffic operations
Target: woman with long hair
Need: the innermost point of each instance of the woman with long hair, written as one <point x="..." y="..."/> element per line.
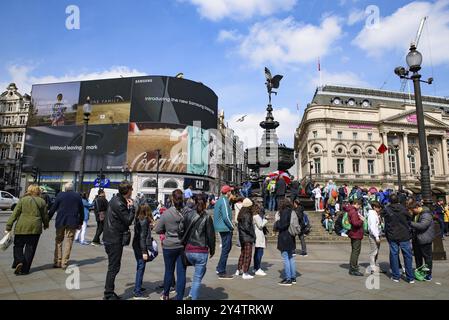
<point x="260" y="223"/>
<point x="30" y="215"/>
<point x="198" y="234"/>
<point x="142" y="242"/>
<point x="172" y="247"/>
<point x="286" y="242"/>
<point x="247" y="238"/>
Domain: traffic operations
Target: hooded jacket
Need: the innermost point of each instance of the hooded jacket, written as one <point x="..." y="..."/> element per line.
<point x="423" y="228"/>
<point x="397" y="223"/>
<point x="356" y="231"/>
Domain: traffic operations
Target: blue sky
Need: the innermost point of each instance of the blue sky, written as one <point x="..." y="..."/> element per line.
<point x="225" y="44"/>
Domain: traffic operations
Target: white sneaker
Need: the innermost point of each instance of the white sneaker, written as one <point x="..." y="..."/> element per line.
<point x="237" y="273"/>
<point x="247" y="276"/>
<point x="344" y="235"/>
<point x="260" y="272"/>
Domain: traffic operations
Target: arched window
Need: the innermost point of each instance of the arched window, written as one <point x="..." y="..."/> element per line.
<point x="412" y="157"/>
<point x="432" y="164"/>
<point x="150" y="184"/>
<point x="171" y="184"/>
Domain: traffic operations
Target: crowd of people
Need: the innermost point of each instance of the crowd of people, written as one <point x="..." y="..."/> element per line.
<point x="188" y="225"/>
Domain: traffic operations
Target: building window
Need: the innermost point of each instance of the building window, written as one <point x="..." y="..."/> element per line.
<point x="22" y="120"/>
<point x="315" y="134"/>
<point x="171" y="184"/>
<point x="356" y="166"/>
<point x="340" y="135"/>
<point x="392" y="161"/>
<point x="370" y="136"/>
<point x="317" y="165"/>
<point x="4" y="153"/>
<point x="370" y="166"/>
<point x="341" y="166"/>
<point x="412" y="161"/>
<point x="19" y="137"/>
<point x="7" y="121"/>
<point x="150" y="184"/>
<point x="354" y="135"/>
<point x="10" y="107"/>
<point x="316" y="150"/>
<point x="412" y="140"/>
<point x="17" y="153"/>
<point x="432" y="164"/>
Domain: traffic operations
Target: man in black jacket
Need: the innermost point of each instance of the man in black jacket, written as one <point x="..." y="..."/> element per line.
<point x="119" y="217"/>
<point x="70" y="215"/>
<point x="281" y="189"/>
<point x="100" y="208"/>
<point x="398" y="233"/>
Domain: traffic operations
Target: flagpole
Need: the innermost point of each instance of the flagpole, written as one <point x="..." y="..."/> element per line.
<point x="319" y="71"/>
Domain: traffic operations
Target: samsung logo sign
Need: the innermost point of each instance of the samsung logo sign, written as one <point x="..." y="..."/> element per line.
<point x="144" y="81"/>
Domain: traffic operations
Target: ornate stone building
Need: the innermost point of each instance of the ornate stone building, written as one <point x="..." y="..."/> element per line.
<point x="14" y="108"/>
<point x="343" y="128"/>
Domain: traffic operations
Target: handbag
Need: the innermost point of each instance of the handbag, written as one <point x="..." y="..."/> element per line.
<point x="185" y="260"/>
<point x="101" y="214"/>
<point x="6" y="241"/>
<point x="126" y="240"/>
<point x="153" y="251"/>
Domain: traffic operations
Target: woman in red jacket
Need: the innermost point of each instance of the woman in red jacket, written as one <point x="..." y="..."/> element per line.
<point x="356" y="235"/>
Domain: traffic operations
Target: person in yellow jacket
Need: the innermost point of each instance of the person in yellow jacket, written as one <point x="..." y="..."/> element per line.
<point x="446" y="219"/>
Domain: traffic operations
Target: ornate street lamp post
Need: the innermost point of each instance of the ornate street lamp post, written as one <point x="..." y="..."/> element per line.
<point x="158" y="151"/>
<point x="87" y="110"/>
<point x="414" y="60"/>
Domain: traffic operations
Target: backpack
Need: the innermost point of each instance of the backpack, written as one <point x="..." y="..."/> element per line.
<point x="307" y="226"/>
<point x="365" y="226"/>
<point x="345" y="222"/>
<point x="334" y="194"/>
<point x="294" y="228"/>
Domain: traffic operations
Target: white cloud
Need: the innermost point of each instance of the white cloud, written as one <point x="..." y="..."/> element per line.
<point x="395" y="32"/>
<point x="23" y="78"/>
<point x="228" y="35"/>
<point x="250" y="132"/>
<point x="346" y="78"/>
<point x="279" y="42"/>
<point x="240" y="9"/>
<point x="356" y="16"/>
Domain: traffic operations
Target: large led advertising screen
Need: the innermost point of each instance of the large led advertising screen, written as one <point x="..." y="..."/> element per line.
<point x="131" y="119"/>
<point x="59" y="148"/>
<point x="173" y="100"/>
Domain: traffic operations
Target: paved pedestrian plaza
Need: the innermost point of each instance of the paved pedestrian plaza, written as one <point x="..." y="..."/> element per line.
<point x="324" y="275"/>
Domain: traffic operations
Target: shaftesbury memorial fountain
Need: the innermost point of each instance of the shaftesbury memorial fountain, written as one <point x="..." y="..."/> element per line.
<point x="270" y="155"/>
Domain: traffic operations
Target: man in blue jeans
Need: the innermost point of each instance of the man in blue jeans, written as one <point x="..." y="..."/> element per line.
<point x="397" y="231"/>
<point x="223" y="225"/>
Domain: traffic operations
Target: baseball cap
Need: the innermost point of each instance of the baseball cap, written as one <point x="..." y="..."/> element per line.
<point x="226" y="189"/>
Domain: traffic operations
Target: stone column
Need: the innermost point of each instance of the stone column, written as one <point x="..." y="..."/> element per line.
<point x="405" y="152"/>
<point x="444" y="155"/>
<point x="328" y="162"/>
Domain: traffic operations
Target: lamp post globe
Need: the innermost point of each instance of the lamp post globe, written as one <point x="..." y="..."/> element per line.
<point x="87" y="108"/>
<point x="395" y="141"/>
<point x="414" y="59"/>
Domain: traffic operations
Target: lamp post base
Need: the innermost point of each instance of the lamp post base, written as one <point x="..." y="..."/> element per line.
<point x="438" y="252"/>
